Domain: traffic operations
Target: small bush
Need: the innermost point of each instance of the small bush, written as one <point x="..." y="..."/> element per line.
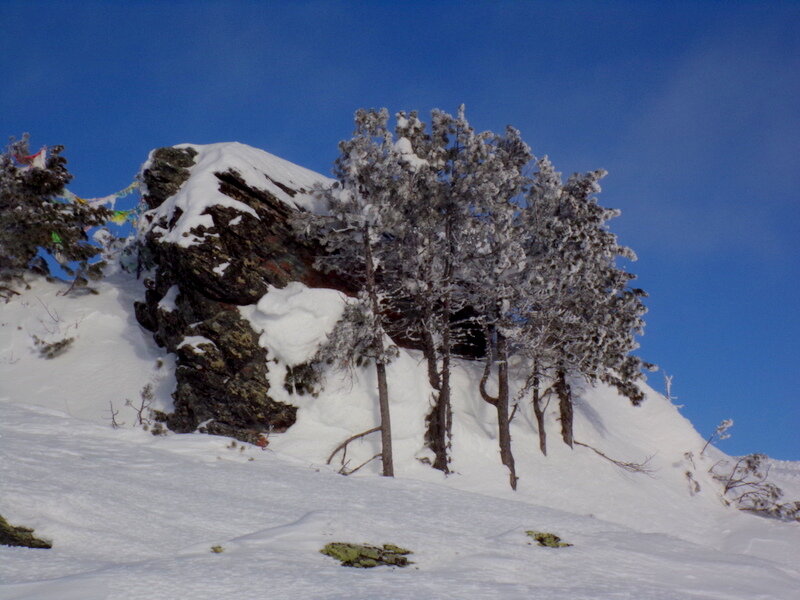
<point x="746" y="486"/>
<point x="364" y="556"/>
<point x="50" y="350"/>
<point x="549" y="540"/>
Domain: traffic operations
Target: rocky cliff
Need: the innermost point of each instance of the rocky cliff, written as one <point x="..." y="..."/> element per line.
<point x="216" y="236"/>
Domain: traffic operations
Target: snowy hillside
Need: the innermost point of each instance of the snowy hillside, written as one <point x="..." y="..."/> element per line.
<point x="133" y="515"/>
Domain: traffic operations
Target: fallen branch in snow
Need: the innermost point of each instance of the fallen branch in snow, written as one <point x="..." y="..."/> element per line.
<point x="343" y="445"/>
<point x="632" y="467"/>
<point x="344" y="471"/>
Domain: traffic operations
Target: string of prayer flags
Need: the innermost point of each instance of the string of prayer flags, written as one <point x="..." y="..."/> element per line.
<point x="111" y="199"/>
<point x="119" y="217"/>
<point x="37" y="161"/>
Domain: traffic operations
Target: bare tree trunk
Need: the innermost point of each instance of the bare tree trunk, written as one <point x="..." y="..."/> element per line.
<point x="435" y="436"/>
<point x="539" y="412"/>
<point x="386" y="424"/>
<point x="501" y="403"/>
<point x="443" y="405"/>
<point x="380" y="367"/>
<point x="565" y="408"/>
<point x="504" y="432"/>
<point x="440" y="418"/>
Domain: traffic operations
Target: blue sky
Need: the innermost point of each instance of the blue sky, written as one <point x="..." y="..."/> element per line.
<point x="693" y="108"/>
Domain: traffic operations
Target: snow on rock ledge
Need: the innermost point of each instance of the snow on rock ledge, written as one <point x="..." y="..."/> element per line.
<point x="178" y="214"/>
<point x="218" y="236"/>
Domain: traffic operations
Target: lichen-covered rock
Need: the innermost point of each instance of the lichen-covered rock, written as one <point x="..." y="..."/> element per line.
<point x="365" y="556"/>
<point x="191" y="304"/>
<point x="549" y="540"/>
<point x="11" y="535"/>
<point x="168" y="170"/>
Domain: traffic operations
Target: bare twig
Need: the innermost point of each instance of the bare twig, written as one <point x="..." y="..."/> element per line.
<point x="720" y="433"/>
<point x="56" y="318"/>
<point x="114" y="414"/>
<point x="342" y="470"/>
<point x="145" y="400"/>
<point x="632" y="467"/>
<point x="668" y="388"/>
<point x="513" y="412"/>
<point x="343" y="445"/>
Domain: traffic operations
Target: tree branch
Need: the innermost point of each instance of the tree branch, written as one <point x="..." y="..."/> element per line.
<point x="484" y="378"/>
<point x="631" y="467"/>
<point x="513" y="412"/>
<point x="369" y="460"/>
<point x="343" y="445"/>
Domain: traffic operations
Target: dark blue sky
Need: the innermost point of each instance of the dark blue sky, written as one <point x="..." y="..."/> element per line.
<point x="693" y="107"/>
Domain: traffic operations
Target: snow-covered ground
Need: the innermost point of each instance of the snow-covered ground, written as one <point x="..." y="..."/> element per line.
<point x="132" y="515"/>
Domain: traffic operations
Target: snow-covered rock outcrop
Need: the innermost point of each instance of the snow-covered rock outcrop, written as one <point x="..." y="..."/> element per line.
<point x="217" y="236"/>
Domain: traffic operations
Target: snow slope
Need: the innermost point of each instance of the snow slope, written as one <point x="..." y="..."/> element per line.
<point x="134" y="516"/>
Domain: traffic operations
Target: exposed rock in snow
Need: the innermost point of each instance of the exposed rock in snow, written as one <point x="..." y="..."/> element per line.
<point x="132" y="515"/>
<point x="219" y="237"/>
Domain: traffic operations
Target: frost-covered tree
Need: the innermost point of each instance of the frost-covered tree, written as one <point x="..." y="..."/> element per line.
<point x="583" y="316"/>
<point x="354" y="236"/>
<point x="544" y="285"/>
<point x="432" y="234"/>
<point x="489" y="180"/>
<point x="428" y="233"/>
<point x="33" y="220"/>
<point x="608" y="311"/>
<point x="350" y="344"/>
<point x="455" y="248"/>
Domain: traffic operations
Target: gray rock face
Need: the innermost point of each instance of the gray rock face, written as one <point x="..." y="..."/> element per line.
<point x="221" y="370"/>
<point x="168" y="171"/>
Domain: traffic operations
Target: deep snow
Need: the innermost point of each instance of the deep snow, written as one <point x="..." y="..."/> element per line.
<point x="134" y="516"/>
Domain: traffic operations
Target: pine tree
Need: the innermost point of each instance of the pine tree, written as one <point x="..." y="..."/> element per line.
<point x="34" y="220"/>
<point x="355" y="239"/>
<point x="491" y="178"/>
<point x="426" y="233"/>
<point x="431" y="232"/>
<point x="585" y="321"/>
<point x="544" y="286"/>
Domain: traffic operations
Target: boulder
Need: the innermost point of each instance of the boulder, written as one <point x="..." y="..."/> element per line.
<point x="194" y="291"/>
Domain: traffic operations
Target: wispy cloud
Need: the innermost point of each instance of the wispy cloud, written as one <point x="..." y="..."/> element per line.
<point x="717" y="149"/>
